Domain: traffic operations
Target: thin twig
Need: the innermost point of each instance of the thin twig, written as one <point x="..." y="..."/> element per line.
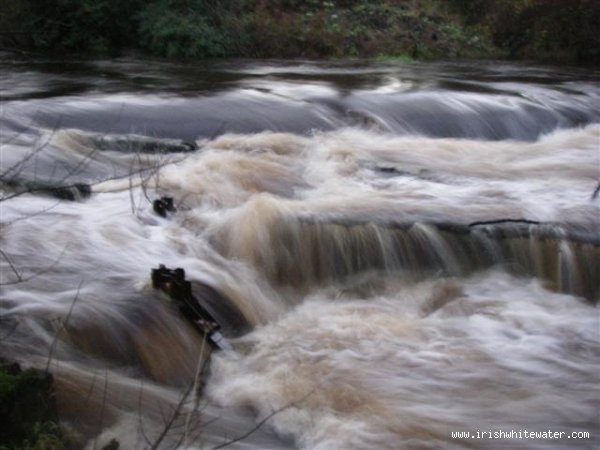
<point x="199" y="370"/>
<point x="15" y="136"/>
<point x="37" y="150"/>
<point x="261" y="423"/>
<point x="140" y="419"/>
<point x="11" y="332"/>
<point x="14" y="269"/>
<point x="62" y="327"/>
<point x="90" y="390"/>
<point x="101" y="424"/>
<point x="36" y="274"/>
<point x="30" y="215"/>
<point x="176" y="413"/>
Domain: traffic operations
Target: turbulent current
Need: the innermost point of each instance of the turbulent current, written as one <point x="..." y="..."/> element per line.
<point x="395" y="252"/>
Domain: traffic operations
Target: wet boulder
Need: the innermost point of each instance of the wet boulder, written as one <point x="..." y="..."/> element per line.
<point x="162" y="206"/>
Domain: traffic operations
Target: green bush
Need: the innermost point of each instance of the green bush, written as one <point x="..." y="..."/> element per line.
<point x="28" y="411"/>
<point x="97" y="26"/>
<point x="556" y="30"/>
<point x="553" y="30"/>
<point x="167" y="30"/>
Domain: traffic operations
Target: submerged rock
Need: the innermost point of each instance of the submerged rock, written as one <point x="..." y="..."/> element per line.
<point x="112" y="445"/>
<point x="142" y="144"/>
<point x="72" y="192"/>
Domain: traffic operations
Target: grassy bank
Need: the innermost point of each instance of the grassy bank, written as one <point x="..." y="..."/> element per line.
<point x="551" y="30"/>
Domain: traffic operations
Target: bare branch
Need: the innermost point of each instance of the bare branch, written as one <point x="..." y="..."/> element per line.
<point x="101" y="424"/>
<point x="12" y="266"/>
<point x="262" y="422"/>
<point x="36" y="274"/>
<point x="62" y="327"/>
<point x="21" y="132"/>
<point x="10" y="332"/>
<point x="131" y="199"/>
<point x="91" y="389"/>
<point x="19" y="164"/>
<point x="30" y="215"/>
<point x="170" y="424"/>
<point x="174" y="416"/>
<point x="141" y="430"/>
<point x="200" y="367"/>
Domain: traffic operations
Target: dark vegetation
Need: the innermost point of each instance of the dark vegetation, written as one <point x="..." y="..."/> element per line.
<point x="551" y="30"/>
<point x="28" y="411"/>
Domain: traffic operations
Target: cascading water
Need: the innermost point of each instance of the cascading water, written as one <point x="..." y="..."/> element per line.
<point x="394" y="253"/>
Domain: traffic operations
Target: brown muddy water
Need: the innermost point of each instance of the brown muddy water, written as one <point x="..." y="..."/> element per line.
<point x="403" y="251"/>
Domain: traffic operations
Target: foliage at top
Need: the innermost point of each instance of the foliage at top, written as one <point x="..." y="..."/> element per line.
<point x="555" y="30"/>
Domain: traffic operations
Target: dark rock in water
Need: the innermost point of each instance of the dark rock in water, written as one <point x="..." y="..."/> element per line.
<point x="206" y="309"/>
<point x="233" y="323"/>
<point x="11" y="368"/>
<point x="173" y="283"/>
<point x="142" y="144"/>
<point x="163" y="205"/>
<point x="28" y="412"/>
<point x="159" y="208"/>
<point x="390" y="170"/>
<point x="112" y="445"/>
<point x="72" y="192"/>
<point x="189" y="146"/>
<point x="596" y="192"/>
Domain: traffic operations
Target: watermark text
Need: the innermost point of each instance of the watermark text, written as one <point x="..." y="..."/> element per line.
<point x="520" y="434"/>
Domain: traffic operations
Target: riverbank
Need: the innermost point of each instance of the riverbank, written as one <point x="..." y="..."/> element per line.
<point x="551" y="31"/>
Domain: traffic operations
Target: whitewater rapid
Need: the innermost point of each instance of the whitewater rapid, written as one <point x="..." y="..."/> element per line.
<point x="372" y="303"/>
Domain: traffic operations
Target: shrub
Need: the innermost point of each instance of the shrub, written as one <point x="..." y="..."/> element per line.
<point x="555" y="30"/>
<point x="81" y="25"/>
<point x="167" y="30"/>
<point x="28" y="411"/>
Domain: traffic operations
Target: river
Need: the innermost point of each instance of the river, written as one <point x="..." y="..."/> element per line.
<point x="395" y="252"/>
